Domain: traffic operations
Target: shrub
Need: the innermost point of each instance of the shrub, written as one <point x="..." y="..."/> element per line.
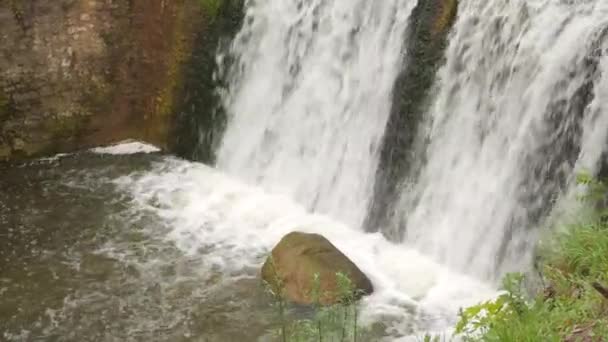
<point x="573" y="303"/>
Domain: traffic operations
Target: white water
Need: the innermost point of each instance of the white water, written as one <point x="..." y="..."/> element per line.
<point x="596" y="122"/>
<point x="232" y="227"/>
<point x="126" y="147"/>
<point x="495" y="130"/>
<point x="309" y="98"/>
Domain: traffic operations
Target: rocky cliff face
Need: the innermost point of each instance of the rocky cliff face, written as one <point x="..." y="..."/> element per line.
<point x="79" y="73"/>
<point x="430" y="24"/>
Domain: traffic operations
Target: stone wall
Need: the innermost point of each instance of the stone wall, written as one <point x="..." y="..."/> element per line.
<point x="80" y="73"/>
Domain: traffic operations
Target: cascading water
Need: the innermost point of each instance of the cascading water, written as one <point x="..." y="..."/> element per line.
<point x="520" y="107"/>
<point x="309" y="96"/>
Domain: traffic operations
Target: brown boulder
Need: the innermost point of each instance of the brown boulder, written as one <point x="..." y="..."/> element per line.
<point x="298" y="257"/>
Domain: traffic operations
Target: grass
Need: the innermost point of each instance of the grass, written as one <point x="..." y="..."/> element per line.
<point x="572" y="304"/>
<point x="331" y="323"/>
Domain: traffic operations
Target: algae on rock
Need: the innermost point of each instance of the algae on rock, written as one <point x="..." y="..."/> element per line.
<point x="430" y="23"/>
<point x="200" y="119"/>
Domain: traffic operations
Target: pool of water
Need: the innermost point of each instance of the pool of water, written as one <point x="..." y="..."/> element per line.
<point x="77" y="265"/>
<point x="112" y="247"/>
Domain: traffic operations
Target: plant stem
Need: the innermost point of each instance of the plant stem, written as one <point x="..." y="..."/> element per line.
<point x="344" y="318"/>
<point x="355" y="323"/>
<point x="282" y="314"/>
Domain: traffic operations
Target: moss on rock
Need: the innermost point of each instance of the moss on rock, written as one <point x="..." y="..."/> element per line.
<point x="4" y="104"/>
<point x="200" y="120"/>
<point x="211" y="7"/>
<point x="430" y="24"/>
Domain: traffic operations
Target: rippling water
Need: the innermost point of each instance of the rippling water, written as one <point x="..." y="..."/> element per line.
<point x="149" y="247"/>
<point x="77" y="264"/>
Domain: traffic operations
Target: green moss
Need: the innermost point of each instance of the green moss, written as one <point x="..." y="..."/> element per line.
<point x="165" y="101"/>
<point x="4" y="104"/>
<point x="211" y="7"/>
<point x="5" y="151"/>
<point x="430" y="23"/>
<point x="65" y="127"/>
<point x="200" y="119"/>
<point x="98" y="95"/>
<point x="18" y="12"/>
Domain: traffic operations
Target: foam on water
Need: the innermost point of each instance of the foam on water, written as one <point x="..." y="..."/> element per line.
<point x="126" y="147"/>
<point x="235" y="226"/>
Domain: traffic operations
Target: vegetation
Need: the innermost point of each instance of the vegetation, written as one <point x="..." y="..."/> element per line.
<point x="211" y="7"/>
<point x="4" y="104"/>
<point x="572" y="303"/>
<point x="330" y="323"/>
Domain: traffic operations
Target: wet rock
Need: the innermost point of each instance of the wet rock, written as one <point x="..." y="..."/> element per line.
<point x="427" y="38"/>
<point x="296" y="259"/>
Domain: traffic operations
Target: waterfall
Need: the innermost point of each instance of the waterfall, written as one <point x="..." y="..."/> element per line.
<point x="308" y="98"/>
<point x="517" y="109"/>
<point x="520" y="108"/>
